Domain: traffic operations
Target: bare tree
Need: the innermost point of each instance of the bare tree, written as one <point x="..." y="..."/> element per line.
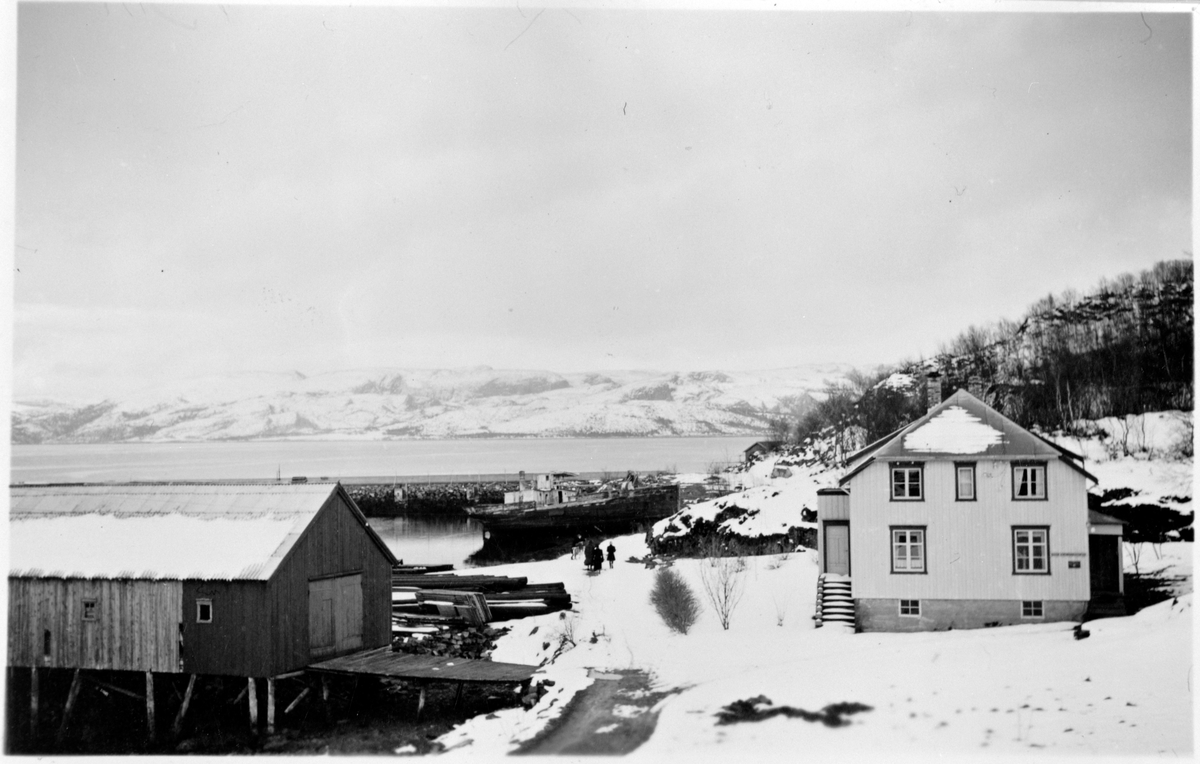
<point x="723" y="582"/>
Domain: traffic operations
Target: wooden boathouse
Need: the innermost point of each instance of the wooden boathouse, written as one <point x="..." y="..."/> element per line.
<point x="246" y="580"/>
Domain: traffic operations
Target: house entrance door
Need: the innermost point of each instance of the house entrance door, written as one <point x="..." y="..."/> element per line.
<point x="837" y="548"/>
<point x="1104" y="561"/>
<point x="335" y="616"/>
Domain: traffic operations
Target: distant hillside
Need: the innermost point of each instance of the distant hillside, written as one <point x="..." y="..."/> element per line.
<point x="1123" y="349"/>
<point x="440" y="403"/>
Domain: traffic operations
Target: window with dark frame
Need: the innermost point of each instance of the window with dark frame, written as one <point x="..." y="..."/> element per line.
<point x="1031" y="550"/>
<point x="91" y="609"/>
<point x="910" y="607"/>
<point x="964" y="480"/>
<point x="1031" y="609"/>
<point x="204" y="611"/>
<point x="908" y="550"/>
<point x="1029" y="481"/>
<point x="906" y="483"/>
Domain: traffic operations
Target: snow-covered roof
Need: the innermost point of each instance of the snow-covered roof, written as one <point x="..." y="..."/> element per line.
<point x="960" y="426"/>
<point x="169" y="531"/>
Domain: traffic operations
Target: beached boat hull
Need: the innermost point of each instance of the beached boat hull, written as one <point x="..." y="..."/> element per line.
<point x="623" y="511"/>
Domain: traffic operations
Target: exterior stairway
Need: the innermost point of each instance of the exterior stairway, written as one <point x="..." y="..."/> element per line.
<point x="835" y="603"/>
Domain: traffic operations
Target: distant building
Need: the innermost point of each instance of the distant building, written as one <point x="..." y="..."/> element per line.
<point x="250" y="580"/>
<point x="761" y="448"/>
<point x="963" y="519"/>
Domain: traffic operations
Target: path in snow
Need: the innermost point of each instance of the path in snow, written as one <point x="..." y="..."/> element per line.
<point x="613" y="716"/>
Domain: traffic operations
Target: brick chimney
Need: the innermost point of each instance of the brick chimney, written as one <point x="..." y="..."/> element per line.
<point x="933" y="388"/>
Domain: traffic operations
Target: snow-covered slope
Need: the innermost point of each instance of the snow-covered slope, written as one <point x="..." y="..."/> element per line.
<point x="1125" y="691"/>
<point x="439" y="403"/>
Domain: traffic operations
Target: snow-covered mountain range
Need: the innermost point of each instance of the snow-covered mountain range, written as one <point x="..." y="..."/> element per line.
<point x="421" y="403"/>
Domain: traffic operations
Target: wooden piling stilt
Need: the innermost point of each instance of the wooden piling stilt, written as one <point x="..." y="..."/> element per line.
<point x="33" y="703"/>
<point x="252" y="694"/>
<point x="458" y="696"/>
<point x="150" y="725"/>
<point x="325" y="696"/>
<point x="76" y="681"/>
<point x="421" y="702"/>
<point x="270" y="705"/>
<point x="177" y="727"/>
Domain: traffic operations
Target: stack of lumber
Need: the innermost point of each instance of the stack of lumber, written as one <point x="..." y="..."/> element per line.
<point x="458" y="583"/>
<point x="416" y="596"/>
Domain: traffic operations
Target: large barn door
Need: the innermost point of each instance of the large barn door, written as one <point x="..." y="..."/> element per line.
<point x="335" y="615"/>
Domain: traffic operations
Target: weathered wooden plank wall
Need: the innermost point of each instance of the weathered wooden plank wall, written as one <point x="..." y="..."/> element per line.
<point x="135" y="626"/>
<point x="969" y="544"/>
<point x="335" y="543"/>
<point x="238" y="640"/>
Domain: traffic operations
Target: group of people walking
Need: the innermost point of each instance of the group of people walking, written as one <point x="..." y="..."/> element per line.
<point x="593" y="556"/>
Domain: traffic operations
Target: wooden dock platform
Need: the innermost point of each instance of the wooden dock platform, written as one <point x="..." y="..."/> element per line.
<point x="383" y="661"/>
<point x="426" y="669"/>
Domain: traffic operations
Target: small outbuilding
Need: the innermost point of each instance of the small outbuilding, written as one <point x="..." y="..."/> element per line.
<point x="761" y="448"/>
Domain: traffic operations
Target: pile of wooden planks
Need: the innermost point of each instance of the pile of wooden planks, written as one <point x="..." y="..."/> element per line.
<point x="469" y="599"/>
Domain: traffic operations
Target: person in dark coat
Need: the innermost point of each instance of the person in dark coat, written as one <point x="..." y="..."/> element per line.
<point x="612" y="554"/>
<point x="589" y="550"/>
<point x="597" y="558"/>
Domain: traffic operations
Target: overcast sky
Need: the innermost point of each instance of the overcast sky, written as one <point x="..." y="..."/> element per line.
<point x="230" y="188"/>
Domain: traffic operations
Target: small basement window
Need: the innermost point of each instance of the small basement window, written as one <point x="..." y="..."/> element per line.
<point x="910" y="607"/>
<point x="91" y="610"/>
<point x="204" y="611"/>
<point x="1031" y="608"/>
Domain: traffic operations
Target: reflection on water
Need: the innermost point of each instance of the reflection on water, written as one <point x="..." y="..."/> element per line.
<point x="430" y="539"/>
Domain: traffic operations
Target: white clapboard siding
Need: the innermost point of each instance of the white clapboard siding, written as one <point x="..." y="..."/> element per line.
<point x="968" y="544"/>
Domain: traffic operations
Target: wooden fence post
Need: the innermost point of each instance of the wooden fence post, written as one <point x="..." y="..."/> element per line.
<point x="71" y="696"/>
<point x="33" y="703"/>
<point x="177" y="727"/>
<point x="150" y="725"/>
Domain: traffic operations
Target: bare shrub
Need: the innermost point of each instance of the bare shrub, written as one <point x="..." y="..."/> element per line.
<point x="724" y="585"/>
<point x="674" y="601"/>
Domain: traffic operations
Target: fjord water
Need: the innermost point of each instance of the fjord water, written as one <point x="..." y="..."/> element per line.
<point x="415" y="539"/>
<point x="346" y="460"/>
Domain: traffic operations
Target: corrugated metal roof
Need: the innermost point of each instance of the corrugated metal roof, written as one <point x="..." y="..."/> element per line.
<point x="961" y="426"/>
<point x="158" y="531"/>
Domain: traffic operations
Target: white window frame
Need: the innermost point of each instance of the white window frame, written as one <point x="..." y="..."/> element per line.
<point x="1030" y="545"/>
<point x="902" y="539"/>
<point x="961" y="469"/>
<point x="1030" y="478"/>
<point x="913" y="606"/>
<point x="909" y="470"/>
<point x="1028" y="608"/>
<point x="200" y="603"/>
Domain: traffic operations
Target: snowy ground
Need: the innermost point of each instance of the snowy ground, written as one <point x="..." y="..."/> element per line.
<point x="1123" y="692"/>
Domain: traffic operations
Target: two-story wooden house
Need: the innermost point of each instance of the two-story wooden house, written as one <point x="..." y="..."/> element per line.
<point x="962" y="519"/>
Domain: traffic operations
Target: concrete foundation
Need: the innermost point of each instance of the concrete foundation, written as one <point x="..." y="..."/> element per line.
<point x="936" y="615"/>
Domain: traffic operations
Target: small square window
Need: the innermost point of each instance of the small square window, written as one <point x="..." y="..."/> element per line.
<point x="1031" y="608"/>
<point x="91" y="610"/>
<point x="1029" y="481"/>
<point x="203" y="611"/>
<point x="965" y="482"/>
<point x="906" y="483"/>
<point x="910" y="607"/>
